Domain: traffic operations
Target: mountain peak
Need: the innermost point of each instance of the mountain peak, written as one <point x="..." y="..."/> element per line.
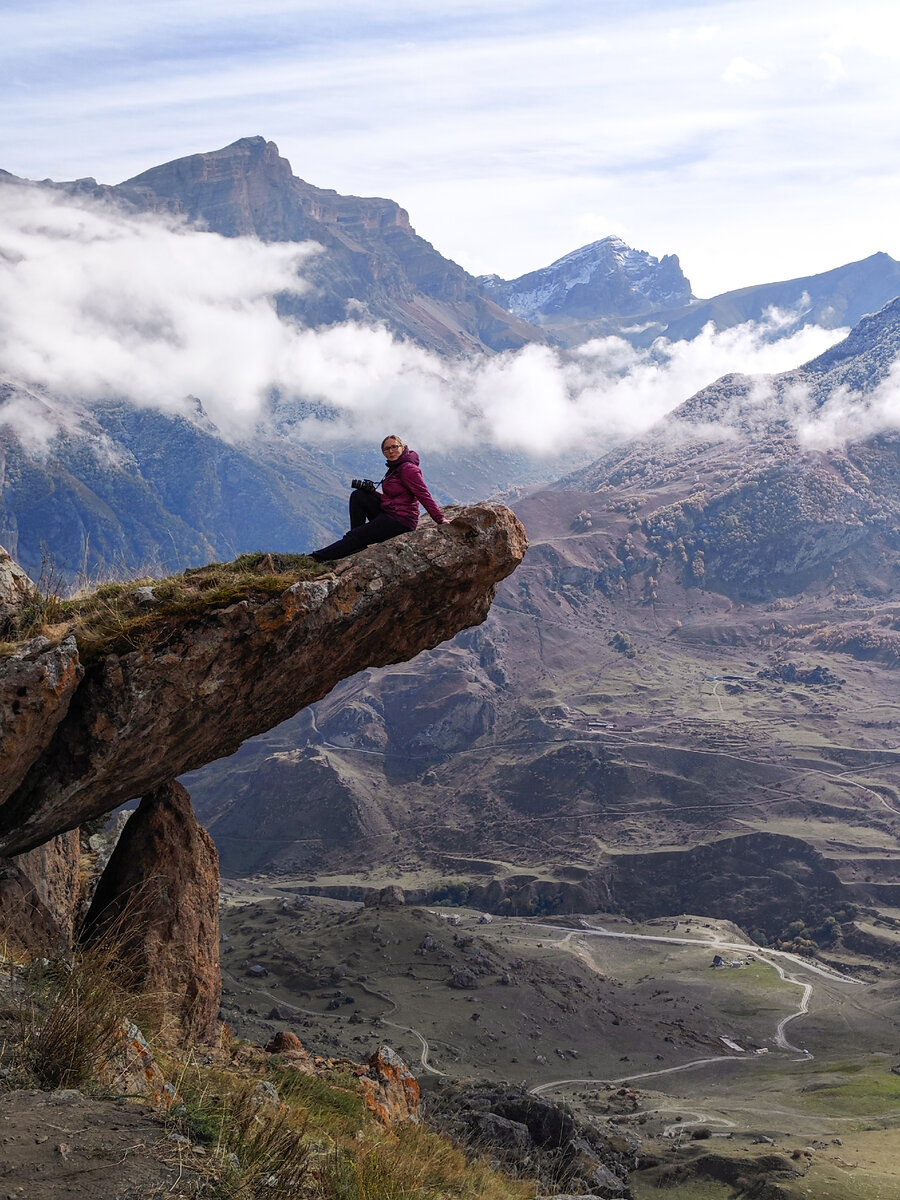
<point x="245" y="157"/>
<point x="607" y="275"/>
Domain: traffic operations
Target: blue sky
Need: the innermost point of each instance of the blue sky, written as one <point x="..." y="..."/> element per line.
<point x="757" y="140"/>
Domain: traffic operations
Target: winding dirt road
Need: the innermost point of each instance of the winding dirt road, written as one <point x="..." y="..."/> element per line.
<point x="771" y="957"/>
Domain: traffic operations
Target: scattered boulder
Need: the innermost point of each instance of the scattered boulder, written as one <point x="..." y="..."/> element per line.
<point x="462" y="977"/>
<point x="132" y="1071"/>
<point x="265" y="1096"/>
<point x="289" y="1046"/>
<point x="510" y="1137"/>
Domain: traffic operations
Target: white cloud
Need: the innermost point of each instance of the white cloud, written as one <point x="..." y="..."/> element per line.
<point x="834" y="67"/>
<point x="741" y="70"/>
<point x="846" y="416"/>
<point x="97" y="304"/>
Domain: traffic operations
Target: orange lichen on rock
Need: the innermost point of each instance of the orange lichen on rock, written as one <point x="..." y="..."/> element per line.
<point x="390" y="1090"/>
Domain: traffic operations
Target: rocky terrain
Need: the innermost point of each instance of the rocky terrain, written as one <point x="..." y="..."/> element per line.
<point x="673" y="1073"/>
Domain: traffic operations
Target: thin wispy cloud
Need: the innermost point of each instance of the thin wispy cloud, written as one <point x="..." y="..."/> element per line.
<point x="754" y="139"/>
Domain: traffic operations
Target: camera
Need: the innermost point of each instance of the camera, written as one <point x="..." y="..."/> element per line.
<point x="363" y="485"/>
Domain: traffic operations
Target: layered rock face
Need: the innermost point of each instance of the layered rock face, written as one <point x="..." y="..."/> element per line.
<point x="37" y="683"/>
<point x="30" y="921"/>
<point x="15" y="587"/>
<point x="373" y="267"/>
<point x="138" y="719"/>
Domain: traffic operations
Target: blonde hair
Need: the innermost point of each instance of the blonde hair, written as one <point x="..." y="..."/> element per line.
<point x="392" y="436"/>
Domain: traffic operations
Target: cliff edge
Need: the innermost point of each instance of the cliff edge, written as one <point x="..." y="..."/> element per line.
<point x="80" y="738"/>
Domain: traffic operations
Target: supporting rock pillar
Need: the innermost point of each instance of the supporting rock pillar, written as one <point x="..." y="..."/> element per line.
<point x="161" y="887"/>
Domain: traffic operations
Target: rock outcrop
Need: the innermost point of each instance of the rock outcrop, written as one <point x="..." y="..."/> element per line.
<point x="37" y="683"/>
<point x="161" y="893"/>
<point x="15" y="588"/>
<point x="390" y="1090"/>
<point x="27" y="924"/>
<point x="536" y="1136"/>
<point x="139" y="719"/>
<point x="55" y="872"/>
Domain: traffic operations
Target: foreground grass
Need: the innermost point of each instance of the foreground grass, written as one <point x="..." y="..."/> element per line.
<point x="319" y="1141"/>
<point x="145" y="612"/>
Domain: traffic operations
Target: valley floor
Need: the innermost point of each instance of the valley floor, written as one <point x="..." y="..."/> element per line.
<point x="629" y="1023"/>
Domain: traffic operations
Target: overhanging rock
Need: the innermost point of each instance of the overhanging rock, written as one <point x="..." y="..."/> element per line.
<point x="140" y="719"/>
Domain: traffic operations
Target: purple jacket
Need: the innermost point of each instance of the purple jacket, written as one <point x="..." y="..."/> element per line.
<point x="404" y="489"/>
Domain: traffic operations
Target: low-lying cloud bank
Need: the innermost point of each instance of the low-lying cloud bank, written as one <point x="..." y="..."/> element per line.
<point x="98" y="304"/>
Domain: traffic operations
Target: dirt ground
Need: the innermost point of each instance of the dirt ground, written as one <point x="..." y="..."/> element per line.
<point x="57" y="1145"/>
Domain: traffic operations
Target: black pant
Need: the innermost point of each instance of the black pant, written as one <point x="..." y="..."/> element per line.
<point x="368" y="525"/>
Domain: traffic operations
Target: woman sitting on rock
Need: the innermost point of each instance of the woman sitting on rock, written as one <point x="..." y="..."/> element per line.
<point x="377" y="516"/>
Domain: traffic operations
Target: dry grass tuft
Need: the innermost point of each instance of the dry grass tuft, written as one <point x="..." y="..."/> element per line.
<point x="416" y="1164"/>
<point x="320" y="1143"/>
<point x="260" y="1145"/>
<point x="116" y="617"/>
<point x="73" y="1009"/>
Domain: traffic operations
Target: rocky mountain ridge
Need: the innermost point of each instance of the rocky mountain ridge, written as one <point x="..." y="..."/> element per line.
<point x="374" y="268"/>
<point x="607" y="289"/>
<point x="766" y="509"/>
